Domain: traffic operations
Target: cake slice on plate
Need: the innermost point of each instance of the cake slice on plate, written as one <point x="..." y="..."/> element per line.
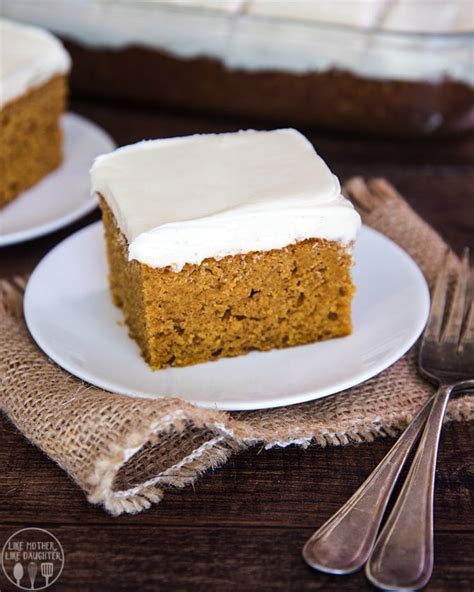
<point x="33" y="87"/>
<point x="221" y="244"/>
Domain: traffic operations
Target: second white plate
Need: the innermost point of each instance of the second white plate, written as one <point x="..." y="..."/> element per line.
<point x="64" y="195"/>
<point x="69" y="313"/>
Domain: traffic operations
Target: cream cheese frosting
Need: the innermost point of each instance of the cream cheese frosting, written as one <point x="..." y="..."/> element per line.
<point x="182" y="200"/>
<point x="360" y="13"/>
<point x="430" y="16"/>
<point x="29" y="57"/>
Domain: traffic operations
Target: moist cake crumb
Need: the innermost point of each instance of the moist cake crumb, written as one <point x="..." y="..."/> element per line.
<point x="228" y="307"/>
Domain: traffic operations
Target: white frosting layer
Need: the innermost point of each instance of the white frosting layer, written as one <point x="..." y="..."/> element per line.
<point x="221" y="5"/>
<point x="181" y="200"/>
<point x="275" y="35"/>
<point x="29" y="57"/>
<point x="418" y="16"/>
<point x="360" y="13"/>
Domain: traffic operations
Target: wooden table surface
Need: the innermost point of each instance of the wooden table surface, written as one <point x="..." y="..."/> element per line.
<point x="243" y="527"/>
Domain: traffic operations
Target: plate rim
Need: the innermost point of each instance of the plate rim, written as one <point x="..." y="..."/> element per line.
<point x="301" y="397"/>
<point x="88" y="206"/>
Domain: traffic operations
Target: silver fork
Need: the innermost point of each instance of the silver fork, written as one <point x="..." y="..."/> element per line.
<point x="345" y="542"/>
<point x="402" y="558"/>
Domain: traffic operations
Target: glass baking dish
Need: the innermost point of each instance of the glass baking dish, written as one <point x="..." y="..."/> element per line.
<point x="287" y="71"/>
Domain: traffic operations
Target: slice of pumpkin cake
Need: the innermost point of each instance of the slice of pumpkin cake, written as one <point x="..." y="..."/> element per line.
<point x="219" y="244"/>
<point x="33" y="86"/>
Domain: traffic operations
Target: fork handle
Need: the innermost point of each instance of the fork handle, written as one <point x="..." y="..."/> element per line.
<point x="402" y="558"/>
<point x="343" y="544"/>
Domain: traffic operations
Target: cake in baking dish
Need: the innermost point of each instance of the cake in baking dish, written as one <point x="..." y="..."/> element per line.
<point x="221" y="244"/>
<point x="387" y="67"/>
<point x="33" y="83"/>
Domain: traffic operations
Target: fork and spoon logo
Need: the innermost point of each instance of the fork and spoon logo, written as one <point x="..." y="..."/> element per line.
<point x="32" y="559"/>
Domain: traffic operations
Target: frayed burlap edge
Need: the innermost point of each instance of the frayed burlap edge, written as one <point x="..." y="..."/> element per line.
<point x="125" y="452"/>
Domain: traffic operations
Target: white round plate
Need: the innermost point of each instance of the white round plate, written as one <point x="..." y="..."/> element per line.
<point x="70" y="315"/>
<point x="64" y="195"/>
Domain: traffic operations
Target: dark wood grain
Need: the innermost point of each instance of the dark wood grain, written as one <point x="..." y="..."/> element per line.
<point x="242" y="527"/>
<point x="217" y="559"/>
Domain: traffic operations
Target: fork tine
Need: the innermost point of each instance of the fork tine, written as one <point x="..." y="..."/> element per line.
<point x="438" y="302"/>
<point x="468" y="334"/>
<point x="453" y="327"/>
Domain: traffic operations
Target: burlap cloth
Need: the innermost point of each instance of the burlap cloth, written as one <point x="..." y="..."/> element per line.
<point x="125" y="452"/>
